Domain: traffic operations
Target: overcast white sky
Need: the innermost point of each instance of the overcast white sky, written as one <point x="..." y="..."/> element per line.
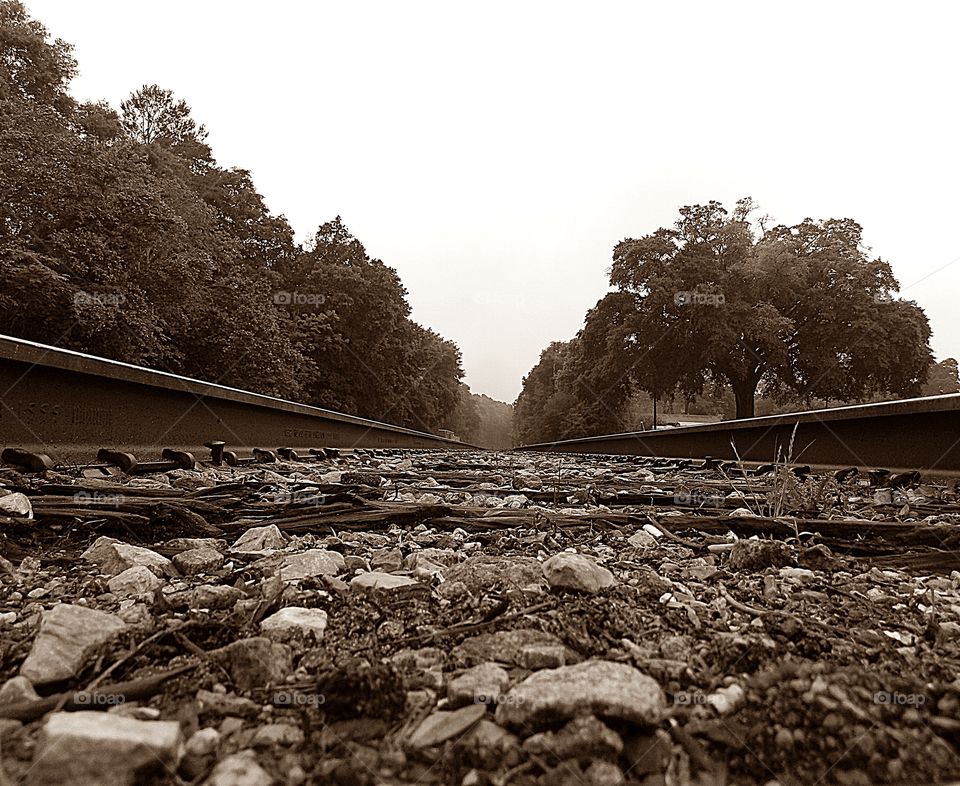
<point x="494" y="153"/>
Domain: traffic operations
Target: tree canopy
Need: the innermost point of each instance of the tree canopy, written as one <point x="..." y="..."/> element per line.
<point x="801" y="312"/>
<point x="121" y="235"/>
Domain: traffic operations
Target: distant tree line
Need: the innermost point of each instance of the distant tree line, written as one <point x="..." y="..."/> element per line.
<point x="121" y="236"/>
<point x="481" y="420"/>
<point x="720" y="304"/>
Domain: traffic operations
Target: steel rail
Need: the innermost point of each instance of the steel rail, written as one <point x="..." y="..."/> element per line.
<point x="911" y="434"/>
<point x="68" y="405"/>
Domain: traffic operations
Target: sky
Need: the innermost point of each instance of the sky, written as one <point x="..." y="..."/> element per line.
<point x="494" y="153"/>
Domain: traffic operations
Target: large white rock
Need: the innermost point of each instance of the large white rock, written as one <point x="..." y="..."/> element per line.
<point x="68" y="636"/>
<point x="137" y="580"/>
<point x="15" y="504"/>
<point x="258" y="539"/>
<point x="255" y="662"/>
<point x="297" y="618"/>
<point x="311" y="563"/>
<point x="375" y="580"/>
<point x="103" y="749"/>
<point x="114" y="556"/>
<point x="578" y="572"/>
<point x="192" y="562"/>
<point x="599" y="687"/>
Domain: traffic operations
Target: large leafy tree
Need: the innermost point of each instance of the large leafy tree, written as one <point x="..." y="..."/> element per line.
<point x="802" y="309"/>
<point x="352" y="324"/>
<point x="427" y="392"/>
<point x="349" y="311"/>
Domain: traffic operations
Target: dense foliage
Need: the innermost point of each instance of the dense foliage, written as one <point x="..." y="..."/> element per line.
<point x="798" y="313"/>
<point x="121" y="236"/>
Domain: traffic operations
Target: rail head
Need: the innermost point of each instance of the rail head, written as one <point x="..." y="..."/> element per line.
<point x="89" y="400"/>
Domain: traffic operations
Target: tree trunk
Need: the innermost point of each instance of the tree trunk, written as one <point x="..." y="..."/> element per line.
<point x="744" y="394"/>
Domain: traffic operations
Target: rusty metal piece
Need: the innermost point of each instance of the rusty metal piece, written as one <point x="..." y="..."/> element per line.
<point x="127" y="462"/>
<point x="27" y="460"/>
<point x="288" y="454"/>
<point x="181" y="458"/>
<point x="216" y="452"/>
<point x="264" y="456"/>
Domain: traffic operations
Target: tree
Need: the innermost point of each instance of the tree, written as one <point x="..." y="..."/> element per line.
<point x="32" y="68"/>
<point x="428" y="390"/>
<point x="464" y="421"/>
<point x="352" y="323"/>
<point x="594" y="379"/>
<point x="151" y="114"/>
<point x="496" y="423"/>
<point x="943" y="378"/>
<point x="543" y="401"/>
<point x="799" y="308"/>
<point x="266" y="241"/>
<point x="349" y="311"/>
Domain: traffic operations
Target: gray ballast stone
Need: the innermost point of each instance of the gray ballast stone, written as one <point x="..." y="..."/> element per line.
<point x="239" y="769"/>
<point x="311" y="563"/>
<point x="255" y="662"/>
<point x="481" y="684"/>
<point x="577" y="572"/>
<point x="297" y="618"/>
<point x="192" y="562"/>
<point x="599" y="687"/>
<point x="68" y="636"/>
<point x="103" y="749"/>
<point x="442" y="726"/>
<point x="375" y="580"/>
<point x="261" y="539"/>
<point x="114" y="556"/>
<point x="138" y="580"/>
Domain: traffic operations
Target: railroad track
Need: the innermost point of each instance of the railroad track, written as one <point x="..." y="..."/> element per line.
<point x="69" y="407"/>
<point x="913" y="434"/>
